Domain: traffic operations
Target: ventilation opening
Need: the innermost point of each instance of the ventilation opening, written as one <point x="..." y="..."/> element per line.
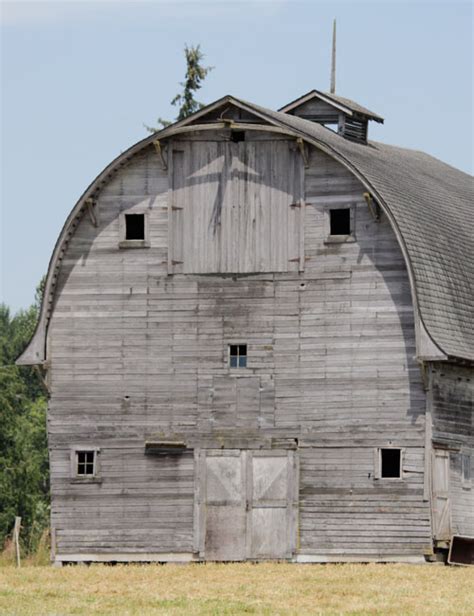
<point x="237" y="136"/>
<point x="340" y="221"/>
<point x="390" y="463"/>
<point x="238" y="355"/>
<point x="134" y="226"/>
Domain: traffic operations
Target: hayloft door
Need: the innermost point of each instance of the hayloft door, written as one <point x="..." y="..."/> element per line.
<point x="245" y="504"/>
<point x="441" y="508"/>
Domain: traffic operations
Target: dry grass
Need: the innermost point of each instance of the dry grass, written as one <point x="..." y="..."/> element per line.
<point x="270" y="589"/>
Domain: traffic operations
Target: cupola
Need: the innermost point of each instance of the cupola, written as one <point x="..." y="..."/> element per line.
<point x="347" y="118"/>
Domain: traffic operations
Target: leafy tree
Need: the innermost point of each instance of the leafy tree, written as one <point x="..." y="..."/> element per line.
<point x="24" y="471"/>
<point x="195" y="75"/>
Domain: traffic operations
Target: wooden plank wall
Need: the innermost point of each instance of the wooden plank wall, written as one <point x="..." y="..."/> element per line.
<point x="453" y="429"/>
<point x="135" y="352"/>
<point x="316" y="108"/>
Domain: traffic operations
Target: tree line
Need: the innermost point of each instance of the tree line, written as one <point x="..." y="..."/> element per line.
<point x="24" y="467"/>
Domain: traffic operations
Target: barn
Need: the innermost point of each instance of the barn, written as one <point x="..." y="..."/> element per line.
<point x="258" y="340"/>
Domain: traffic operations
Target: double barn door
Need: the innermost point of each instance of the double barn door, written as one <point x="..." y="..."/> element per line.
<point x="246" y="504"/>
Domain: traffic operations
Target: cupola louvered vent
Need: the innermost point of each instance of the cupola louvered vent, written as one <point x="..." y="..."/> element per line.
<point x="354" y="129"/>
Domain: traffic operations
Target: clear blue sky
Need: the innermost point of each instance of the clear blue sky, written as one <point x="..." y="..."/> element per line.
<point x="79" y="79"/>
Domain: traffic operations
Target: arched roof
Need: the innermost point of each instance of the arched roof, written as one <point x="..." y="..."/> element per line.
<point x="429" y="203"/>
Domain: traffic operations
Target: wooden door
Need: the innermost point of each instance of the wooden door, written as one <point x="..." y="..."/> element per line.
<point x="224" y="506"/>
<point x="272" y="498"/>
<point x="441" y="506"/>
<point x="246" y="504"/>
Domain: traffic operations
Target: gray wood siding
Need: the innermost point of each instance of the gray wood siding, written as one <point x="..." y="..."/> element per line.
<point x="135" y="352"/>
<point x="453" y="428"/>
<point x="316" y="109"/>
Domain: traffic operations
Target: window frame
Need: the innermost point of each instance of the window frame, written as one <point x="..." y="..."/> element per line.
<point x="378" y="463"/>
<point x="123" y="242"/>
<point x="340" y="239"/>
<point x="229" y="355"/>
<point x="75" y="477"/>
<point x="466" y="478"/>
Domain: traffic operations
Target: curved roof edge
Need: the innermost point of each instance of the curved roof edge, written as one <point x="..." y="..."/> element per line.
<point x="358" y="158"/>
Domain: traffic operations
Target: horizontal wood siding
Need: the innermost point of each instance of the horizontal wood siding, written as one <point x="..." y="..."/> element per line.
<point x="137" y="353"/>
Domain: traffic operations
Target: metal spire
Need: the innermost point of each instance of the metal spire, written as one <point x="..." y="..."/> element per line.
<point x="333" y="60"/>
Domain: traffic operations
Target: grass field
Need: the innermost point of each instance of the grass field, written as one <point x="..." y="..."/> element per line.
<point x="270" y="589"/>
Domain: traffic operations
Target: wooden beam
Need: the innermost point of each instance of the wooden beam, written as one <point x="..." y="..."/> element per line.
<point x="159" y="151"/>
<point x="302" y="149"/>
<point x="374" y="207"/>
<point x="91" y="205"/>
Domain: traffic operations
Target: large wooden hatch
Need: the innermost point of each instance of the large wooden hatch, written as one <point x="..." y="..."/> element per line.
<point x="236" y="207"/>
<point x="246" y="504"/>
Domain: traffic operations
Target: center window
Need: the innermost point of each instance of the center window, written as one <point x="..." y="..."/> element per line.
<point x="238" y="355"/>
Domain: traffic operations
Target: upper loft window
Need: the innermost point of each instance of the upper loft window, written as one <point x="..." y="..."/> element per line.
<point x="390" y="463"/>
<point x="134" y="226"/>
<point x="340" y="221"/>
<point x="134" y="231"/>
<point x="238" y="355"/>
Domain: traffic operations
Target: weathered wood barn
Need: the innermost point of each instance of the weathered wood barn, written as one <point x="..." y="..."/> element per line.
<point x="258" y="336"/>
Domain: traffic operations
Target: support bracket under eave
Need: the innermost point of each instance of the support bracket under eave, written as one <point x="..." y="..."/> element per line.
<point x="91" y="205"/>
<point x="374" y="207"/>
<point x="302" y="149"/>
<point x="159" y="151"/>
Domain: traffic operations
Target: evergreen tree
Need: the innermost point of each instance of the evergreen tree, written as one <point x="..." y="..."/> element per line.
<point x="24" y="470"/>
<point x="195" y="75"/>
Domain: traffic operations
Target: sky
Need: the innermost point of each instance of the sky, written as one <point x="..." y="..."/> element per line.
<point x="80" y="79"/>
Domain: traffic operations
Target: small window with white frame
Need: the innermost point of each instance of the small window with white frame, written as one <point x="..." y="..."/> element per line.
<point x="238" y="355"/>
<point x="85" y="463"/>
<point x="134" y="230"/>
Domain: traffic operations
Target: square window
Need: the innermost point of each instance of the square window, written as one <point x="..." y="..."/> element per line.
<point x="390" y="463"/>
<point x="85" y="463"/>
<point x="134" y="226"/>
<point x="340" y="221"/>
<point x="238" y="355"/>
<point x="237" y="136"/>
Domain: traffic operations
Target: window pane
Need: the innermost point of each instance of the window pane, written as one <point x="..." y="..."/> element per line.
<point x="243" y="361"/>
<point x="85" y="462"/>
<point x="233" y="361"/>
